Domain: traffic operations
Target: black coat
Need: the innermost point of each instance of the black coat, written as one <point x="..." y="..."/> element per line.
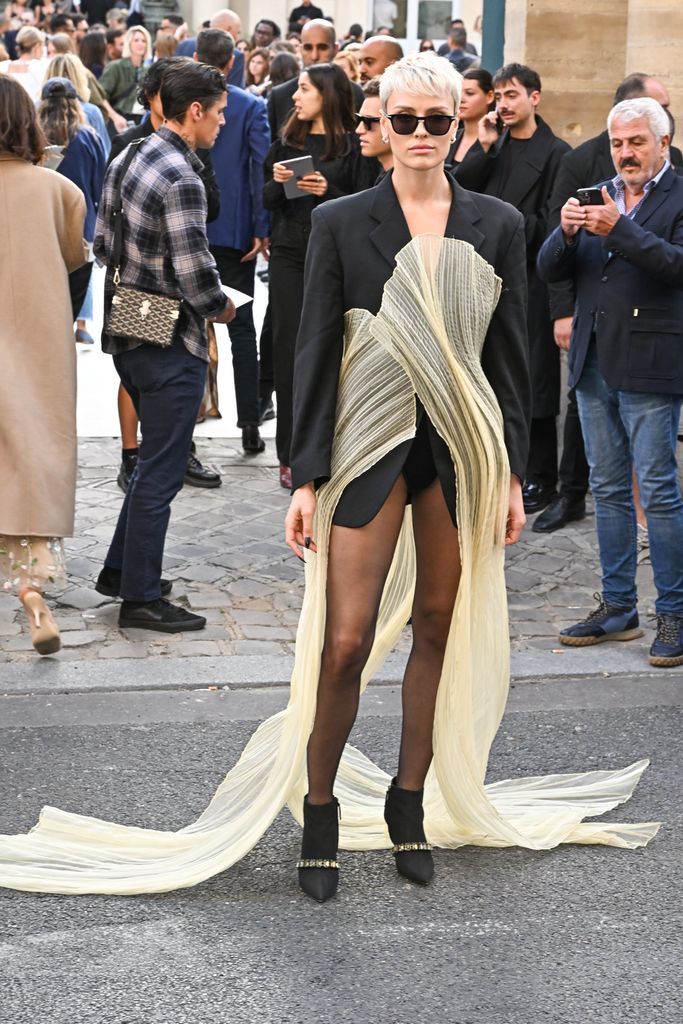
<point x="629" y="289"/>
<point x="527" y="187"/>
<point x="280" y="103"/>
<point x="582" y="167"/>
<point x="351" y="256"/>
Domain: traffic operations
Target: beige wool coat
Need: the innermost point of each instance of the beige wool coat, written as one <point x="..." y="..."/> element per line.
<point x="42" y="215"/>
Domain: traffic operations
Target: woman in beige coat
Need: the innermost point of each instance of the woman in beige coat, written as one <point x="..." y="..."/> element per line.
<point x="42" y="215"/>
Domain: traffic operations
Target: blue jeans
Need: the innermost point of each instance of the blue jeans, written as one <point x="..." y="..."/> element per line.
<point x="166" y="386"/>
<point x="621" y="430"/>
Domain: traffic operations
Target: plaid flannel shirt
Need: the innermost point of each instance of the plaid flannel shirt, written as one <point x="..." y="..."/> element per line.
<point x="165" y="249"/>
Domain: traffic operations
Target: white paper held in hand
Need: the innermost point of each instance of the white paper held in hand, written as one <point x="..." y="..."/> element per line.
<point x="238" y="298"/>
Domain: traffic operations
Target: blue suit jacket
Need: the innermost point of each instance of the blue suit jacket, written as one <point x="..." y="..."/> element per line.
<point x="238" y="155"/>
<point x="236" y="77"/>
<point x="629" y="289"/>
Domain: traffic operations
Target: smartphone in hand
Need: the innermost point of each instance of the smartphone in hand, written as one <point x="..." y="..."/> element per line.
<point x="590" y="196"/>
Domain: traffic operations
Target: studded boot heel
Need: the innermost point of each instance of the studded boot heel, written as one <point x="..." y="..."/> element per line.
<point x="318" y="867"/>
<point x="404" y="815"/>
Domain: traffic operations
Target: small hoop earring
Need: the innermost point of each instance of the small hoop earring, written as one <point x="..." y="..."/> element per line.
<point x="385" y="140"/>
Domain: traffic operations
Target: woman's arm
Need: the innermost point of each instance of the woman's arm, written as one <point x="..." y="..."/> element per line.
<point x="274" y="197"/>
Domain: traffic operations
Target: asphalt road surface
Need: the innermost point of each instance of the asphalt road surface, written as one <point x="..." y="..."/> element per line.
<point x="578" y="934"/>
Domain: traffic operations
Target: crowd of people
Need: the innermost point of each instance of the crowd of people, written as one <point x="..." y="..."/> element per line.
<point x="405" y="378"/>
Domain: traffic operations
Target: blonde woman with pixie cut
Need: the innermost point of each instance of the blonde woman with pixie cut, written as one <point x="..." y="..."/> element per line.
<point x="121" y="79"/>
<point x="411" y="411"/>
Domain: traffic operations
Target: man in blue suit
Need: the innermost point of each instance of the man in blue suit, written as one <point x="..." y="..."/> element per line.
<point x="230" y="22"/>
<point x="241" y="229"/>
<point x="625" y="256"/>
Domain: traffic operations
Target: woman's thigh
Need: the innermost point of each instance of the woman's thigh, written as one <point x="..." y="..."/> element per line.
<point x="438" y="565"/>
<point x="358" y="564"/>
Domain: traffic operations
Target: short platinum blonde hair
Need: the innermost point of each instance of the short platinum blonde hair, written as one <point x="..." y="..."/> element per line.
<point x="421" y="74"/>
<point x="130" y="34"/>
<point x="642" y="106"/>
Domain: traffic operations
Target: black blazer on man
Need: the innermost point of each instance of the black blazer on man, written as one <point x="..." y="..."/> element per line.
<point x="629" y="291"/>
<point x="351" y="255"/>
<point x="526" y="183"/>
<point x="280" y="103"/>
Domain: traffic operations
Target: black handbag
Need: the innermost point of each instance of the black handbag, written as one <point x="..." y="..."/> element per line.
<point x="136" y="313"/>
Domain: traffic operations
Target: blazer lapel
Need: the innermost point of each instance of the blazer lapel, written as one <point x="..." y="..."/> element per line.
<point x="655" y="198"/>
<point x="391" y="233"/>
<point x="463" y="216"/>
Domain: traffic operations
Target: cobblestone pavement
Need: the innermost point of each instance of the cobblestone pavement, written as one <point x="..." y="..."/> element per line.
<point x="226" y="555"/>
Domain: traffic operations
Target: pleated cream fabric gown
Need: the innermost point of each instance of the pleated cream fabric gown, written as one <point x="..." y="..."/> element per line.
<point x="425" y="340"/>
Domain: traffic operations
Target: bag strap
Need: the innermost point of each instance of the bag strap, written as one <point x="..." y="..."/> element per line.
<point x="117" y="209"/>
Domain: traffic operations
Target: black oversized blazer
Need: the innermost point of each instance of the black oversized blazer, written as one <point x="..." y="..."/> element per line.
<point x="351" y="255"/>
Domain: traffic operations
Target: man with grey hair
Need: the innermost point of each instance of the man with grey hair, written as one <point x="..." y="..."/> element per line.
<point x="624" y="251"/>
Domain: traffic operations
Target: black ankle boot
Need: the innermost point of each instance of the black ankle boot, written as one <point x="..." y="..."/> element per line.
<point x="403" y="815"/>
<point x="318" y="867"/>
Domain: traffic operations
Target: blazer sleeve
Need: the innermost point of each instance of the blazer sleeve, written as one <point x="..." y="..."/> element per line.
<point x="475" y="170"/>
<point x="274" y="197"/>
<point x="557" y="261"/>
<point x="505" y="356"/>
<point x="319" y="349"/>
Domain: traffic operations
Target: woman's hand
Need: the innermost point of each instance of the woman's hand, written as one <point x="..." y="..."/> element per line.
<point x="282" y="173"/>
<point x="516" y="515"/>
<point x="299" y="520"/>
<point x="488" y="130"/>
<point x="315" y="184"/>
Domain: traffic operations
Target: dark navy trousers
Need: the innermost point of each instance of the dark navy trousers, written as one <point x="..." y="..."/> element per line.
<point x="166" y="386"/>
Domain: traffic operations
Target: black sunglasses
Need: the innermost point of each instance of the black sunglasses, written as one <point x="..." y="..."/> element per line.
<point x="435" y="124"/>
<point x="367" y="121"/>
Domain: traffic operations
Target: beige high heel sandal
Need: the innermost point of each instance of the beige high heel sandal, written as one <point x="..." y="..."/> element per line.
<point x="44" y="629"/>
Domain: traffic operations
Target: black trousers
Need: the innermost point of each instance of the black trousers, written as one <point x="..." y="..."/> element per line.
<point x="166" y="386"/>
<point x="542" y="466"/>
<point x="286" y="297"/>
<point x="242" y="333"/>
<point x="266" y="370"/>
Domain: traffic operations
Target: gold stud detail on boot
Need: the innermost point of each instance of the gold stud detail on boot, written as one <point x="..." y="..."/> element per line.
<point x="318" y="864"/>
<point x="406" y="847"/>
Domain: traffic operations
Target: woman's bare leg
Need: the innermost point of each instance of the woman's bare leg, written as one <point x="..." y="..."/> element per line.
<point x="128" y="419"/>
<point x="358" y="564"/>
<point x="436" y="587"/>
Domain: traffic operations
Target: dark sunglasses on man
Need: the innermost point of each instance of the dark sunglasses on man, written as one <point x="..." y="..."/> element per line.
<point x="435" y="124"/>
<point x="369" y="122"/>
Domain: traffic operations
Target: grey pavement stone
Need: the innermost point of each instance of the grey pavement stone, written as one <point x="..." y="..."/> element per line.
<point x="267" y="632"/>
<point x="83" y="598"/>
<point x="124" y="649"/>
<point x="81" y="638"/>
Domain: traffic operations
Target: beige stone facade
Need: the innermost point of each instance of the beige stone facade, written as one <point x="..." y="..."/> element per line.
<point x="582" y="50"/>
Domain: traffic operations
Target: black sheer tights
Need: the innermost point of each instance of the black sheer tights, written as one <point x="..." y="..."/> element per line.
<point x="358" y="564"/>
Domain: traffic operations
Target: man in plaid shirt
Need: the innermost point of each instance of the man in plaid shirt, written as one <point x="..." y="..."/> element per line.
<point x="165" y="251"/>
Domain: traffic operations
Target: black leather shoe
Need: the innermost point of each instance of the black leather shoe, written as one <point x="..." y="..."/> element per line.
<point x="128" y="464"/>
<point x="159" y="615"/>
<point x="197" y="476"/>
<point x="558" y="513"/>
<point x="404" y="815"/>
<point x="318" y="867"/>
<point x="537" y="496"/>
<point x="109" y="583"/>
<point x="267" y="410"/>
<point x="252" y="442"/>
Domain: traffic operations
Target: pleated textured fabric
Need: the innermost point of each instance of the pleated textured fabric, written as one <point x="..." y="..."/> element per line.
<point x="425" y="340"/>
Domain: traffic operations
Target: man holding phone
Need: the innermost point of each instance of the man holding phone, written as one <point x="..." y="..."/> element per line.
<point x="625" y="256"/>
